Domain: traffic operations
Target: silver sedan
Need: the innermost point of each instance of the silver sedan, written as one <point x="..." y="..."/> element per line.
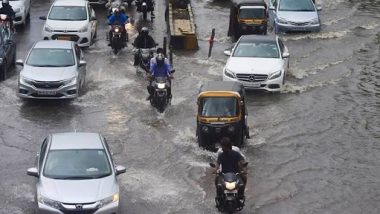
<point x="52" y="70"/>
<point x="75" y="174"/>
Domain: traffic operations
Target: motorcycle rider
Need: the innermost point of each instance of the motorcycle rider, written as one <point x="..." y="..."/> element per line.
<point x="8" y="10"/>
<point x="143" y="41"/>
<point x="229" y="161"/>
<point x="118" y="18"/>
<point x="159" y="67"/>
<point x="149" y="3"/>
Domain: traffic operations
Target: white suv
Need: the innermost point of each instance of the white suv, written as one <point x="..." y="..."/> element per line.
<point x="72" y="20"/>
<point x="258" y="62"/>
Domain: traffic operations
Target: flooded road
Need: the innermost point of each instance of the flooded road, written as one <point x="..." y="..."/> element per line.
<point x="315" y="147"/>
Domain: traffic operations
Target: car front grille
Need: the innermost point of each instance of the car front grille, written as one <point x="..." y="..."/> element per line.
<point x="71" y="37"/>
<point x="252" y="77"/>
<point x="48" y="85"/>
<point x="299" y="23"/>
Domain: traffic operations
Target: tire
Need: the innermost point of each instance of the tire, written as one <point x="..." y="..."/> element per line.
<point x="14" y="60"/>
<point x="115" y="50"/>
<point x="145" y="14"/>
<point x="200" y="142"/>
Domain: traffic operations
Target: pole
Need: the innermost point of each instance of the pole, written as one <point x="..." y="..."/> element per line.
<point x="211" y="42"/>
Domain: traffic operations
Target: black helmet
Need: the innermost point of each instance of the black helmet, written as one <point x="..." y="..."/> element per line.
<point x="160" y="50"/>
<point x="145" y="31"/>
<point x="160" y="59"/>
<point x="5" y="1"/>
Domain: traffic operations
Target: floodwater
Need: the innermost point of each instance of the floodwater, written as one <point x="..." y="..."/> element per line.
<point x="315" y="147"/>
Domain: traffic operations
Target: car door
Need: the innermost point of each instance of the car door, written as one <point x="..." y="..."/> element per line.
<point x="272" y="11"/>
<point x="92" y="22"/>
<point x="285" y="61"/>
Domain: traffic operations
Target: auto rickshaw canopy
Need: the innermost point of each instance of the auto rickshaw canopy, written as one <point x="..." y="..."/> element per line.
<point x="222" y="87"/>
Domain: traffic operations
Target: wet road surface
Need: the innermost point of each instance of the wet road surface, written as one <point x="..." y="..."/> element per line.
<point x="315" y="147"/>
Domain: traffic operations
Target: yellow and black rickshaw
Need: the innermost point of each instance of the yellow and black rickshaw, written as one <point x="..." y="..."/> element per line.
<point x="221" y="113"/>
<point x="248" y="17"/>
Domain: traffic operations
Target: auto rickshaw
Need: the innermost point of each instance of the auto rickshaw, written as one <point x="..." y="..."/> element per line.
<point x="221" y="113"/>
<point x="248" y="17"/>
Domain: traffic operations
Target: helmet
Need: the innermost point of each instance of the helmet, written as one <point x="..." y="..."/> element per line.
<point x="5" y="1"/>
<point x="116" y="11"/>
<point x="145" y="31"/>
<point x="160" y="50"/>
<point x="160" y="59"/>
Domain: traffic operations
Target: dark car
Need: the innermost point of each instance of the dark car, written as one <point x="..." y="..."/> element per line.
<point x="7" y="52"/>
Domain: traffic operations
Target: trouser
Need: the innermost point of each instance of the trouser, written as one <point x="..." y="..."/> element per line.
<point x="219" y="180"/>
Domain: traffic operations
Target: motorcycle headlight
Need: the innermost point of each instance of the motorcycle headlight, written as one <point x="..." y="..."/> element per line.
<point x="275" y="75"/>
<point x="230" y="185"/>
<point x="71" y="81"/>
<point x="108" y="200"/>
<point x="47" y="28"/>
<point x="229" y="73"/>
<point x="117" y="30"/>
<point x="25" y="81"/>
<point x="48" y="202"/>
<point x="161" y="85"/>
<point x="83" y="29"/>
<point x="282" y="21"/>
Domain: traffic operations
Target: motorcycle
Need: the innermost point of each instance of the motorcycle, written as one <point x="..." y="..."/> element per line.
<point x="117" y="40"/>
<point x="160" y="98"/>
<point x="129" y="2"/>
<point x="144" y="8"/>
<point x="229" y="201"/>
<point x="145" y="55"/>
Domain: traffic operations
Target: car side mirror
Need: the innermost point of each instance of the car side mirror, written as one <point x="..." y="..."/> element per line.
<point x="212" y="165"/>
<point x="272" y="8"/>
<point x="82" y="63"/>
<point x="43" y="17"/>
<point x="227" y="52"/>
<point x="285" y="55"/>
<point x="319" y="8"/>
<point x="120" y="170"/>
<point x="93" y="18"/>
<point x="32" y="172"/>
<point x="20" y="62"/>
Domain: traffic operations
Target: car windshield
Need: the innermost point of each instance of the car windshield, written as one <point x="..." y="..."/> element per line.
<point x="252" y="13"/>
<point x="46" y="57"/>
<point x="69" y="13"/>
<point x="257" y="49"/>
<point x="77" y="164"/>
<point x="219" y="107"/>
<point x="296" y="5"/>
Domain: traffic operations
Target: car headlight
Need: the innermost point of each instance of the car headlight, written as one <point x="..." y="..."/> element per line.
<point x="71" y="81"/>
<point x="48" y="202"/>
<point x="229" y="73"/>
<point x="230" y="185"/>
<point x="314" y="21"/>
<point x="108" y="200"/>
<point x="282" y="21"/>
<point x="83" y="29"/>
<point x="47" y="28"/>
<point x="275" y="75"/>
<point x="25" y="81"/>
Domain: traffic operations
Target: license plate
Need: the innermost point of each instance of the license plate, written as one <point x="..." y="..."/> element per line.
<point x="47" y="93"/>
<point x="64" y="38"/>
<point x="230" y="191"/>
<point x="254" y="84"/>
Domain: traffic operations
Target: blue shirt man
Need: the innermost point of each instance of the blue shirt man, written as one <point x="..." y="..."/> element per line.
<point x="118" y="18"/>
<point x="160" y="69"/>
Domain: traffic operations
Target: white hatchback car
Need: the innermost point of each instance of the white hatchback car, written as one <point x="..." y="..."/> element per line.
<point x="22" y="10"/>
<point x="258" y="62"/>
<point x="72" y="20"/>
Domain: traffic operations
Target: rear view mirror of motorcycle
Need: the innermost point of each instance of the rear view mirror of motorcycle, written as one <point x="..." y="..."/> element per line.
<point x="172" y="71"/>
<point x="212" y="165"/>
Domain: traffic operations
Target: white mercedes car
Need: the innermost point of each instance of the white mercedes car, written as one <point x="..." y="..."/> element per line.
<point x="258" y="62"/>
<point x="72" y="20"/>
<point x="22" y="10"/>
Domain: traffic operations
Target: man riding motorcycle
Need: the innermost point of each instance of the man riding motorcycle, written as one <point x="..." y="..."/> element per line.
<point x="230" y="161"/>
<point x="8" y="10"/>
<point x="159" y="67"/>
<point x="149" y="3"/>
<point x="143" y="41"/>
<point x="118" y="18"/>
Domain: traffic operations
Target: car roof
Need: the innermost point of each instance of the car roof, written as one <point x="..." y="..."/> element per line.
<point x="76" y="140"/>
<point x="258" y="38"/>
<point x="70" y="3"/>
<point x="61" y="44"/>
<point x="222" y="86"/>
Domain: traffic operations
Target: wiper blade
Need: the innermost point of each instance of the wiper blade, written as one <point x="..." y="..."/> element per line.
<point x="74" y="177"/>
